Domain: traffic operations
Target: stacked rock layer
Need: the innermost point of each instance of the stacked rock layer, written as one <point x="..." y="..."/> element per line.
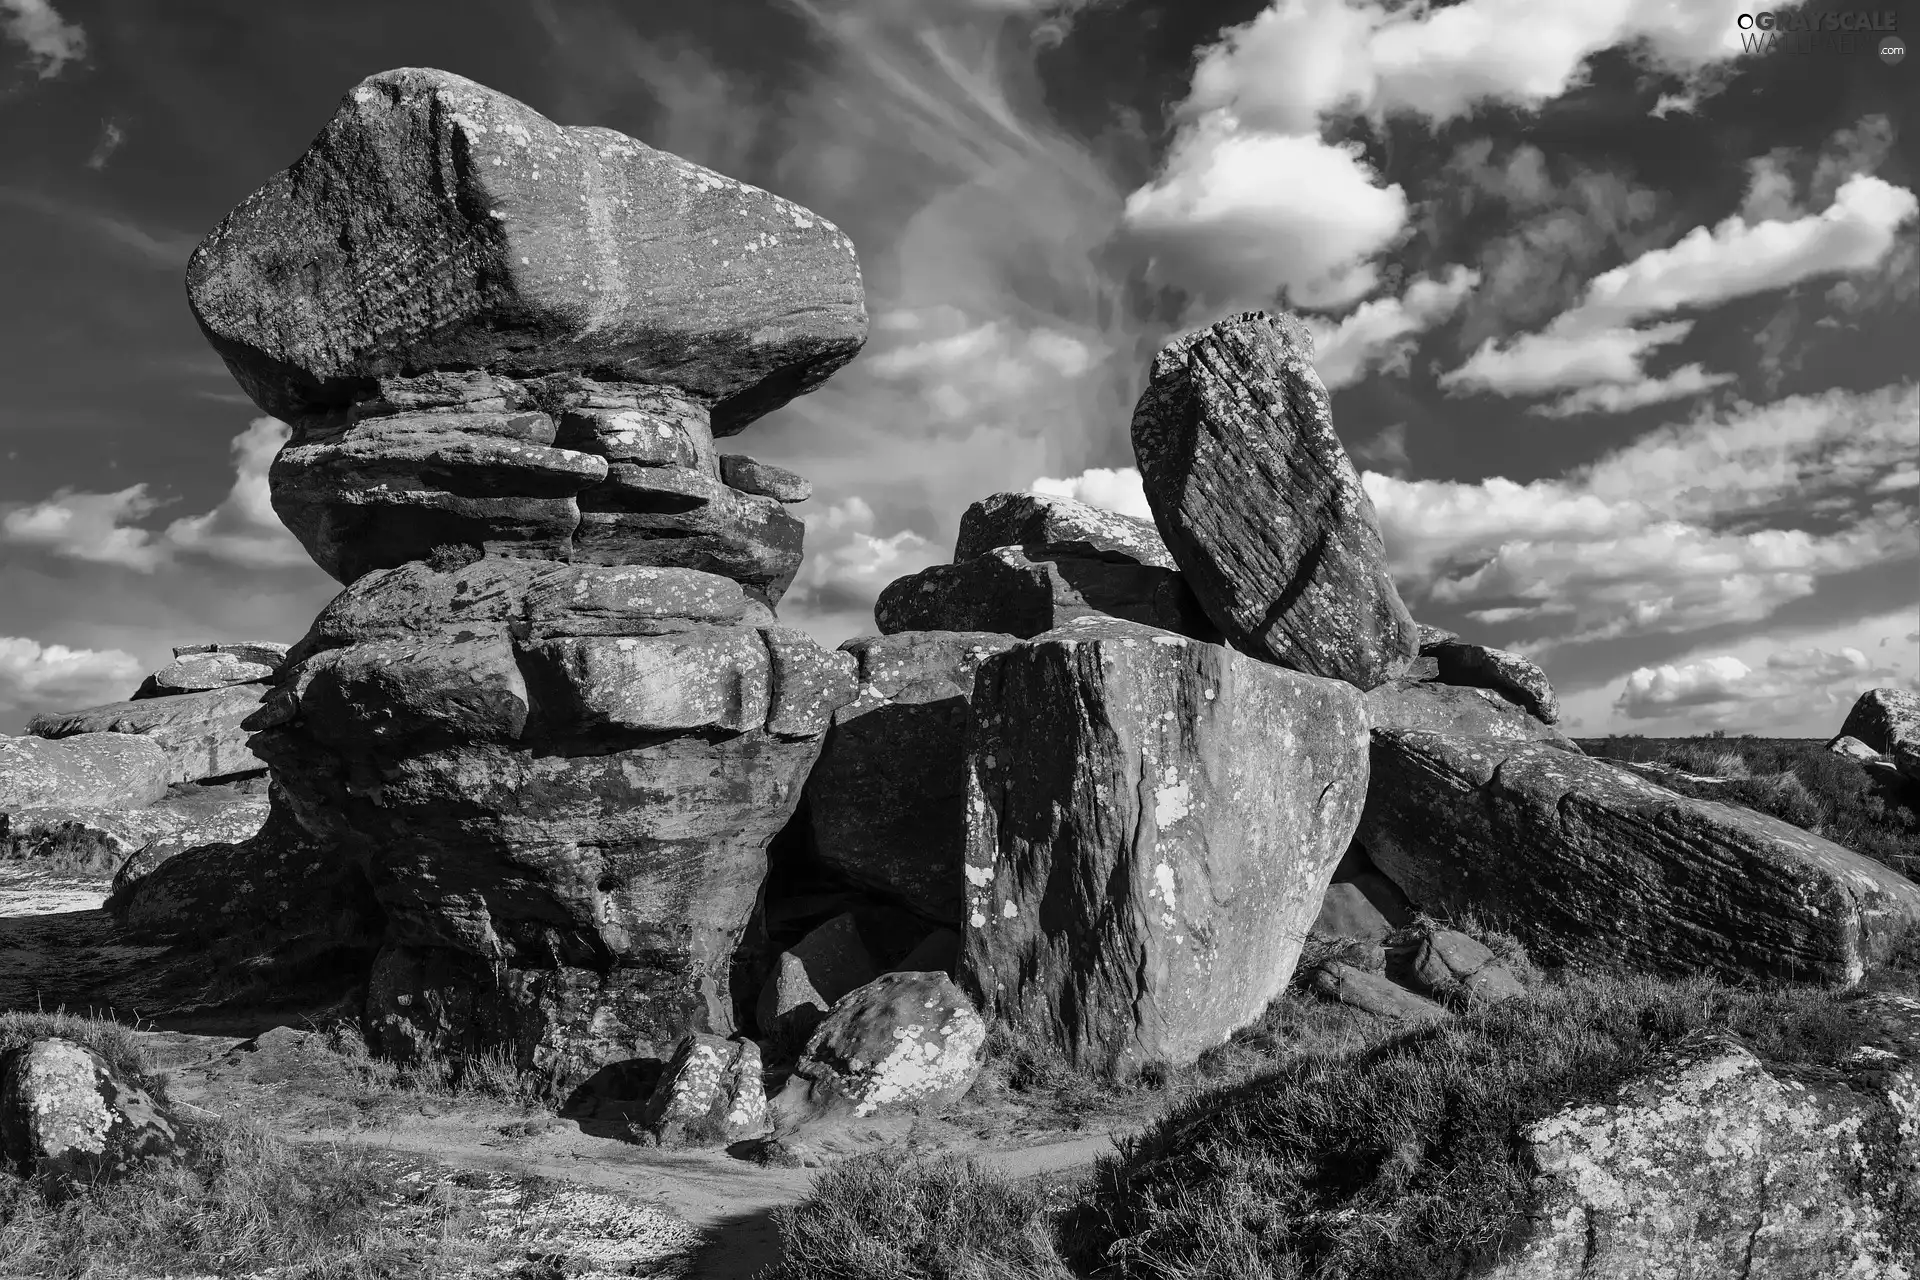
<point x="551" y="717"/>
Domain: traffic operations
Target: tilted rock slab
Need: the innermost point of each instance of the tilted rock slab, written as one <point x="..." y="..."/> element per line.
<point x="903" y="1042"/>
<point x="1476" y="665"/>
<point x="85" y="771"/>
<point x="1262" y="508"/>
<point x="1713" y="1163"/>
<point x="1061" y="526"/>
<point x="1437" y="707"/>
<point x="1025" y="591"/>
<point x="1152" y="824"/>
<point x="565" y="776"/>
<point x="887" y="798"/>
<point x="436" y="223"/>
<point x="211" y="669"/>
<point x="1591" y="863"/>
<point x="1887" y="721"/>
<point x="199" y="732"/>
<point x="64" y="1113"/>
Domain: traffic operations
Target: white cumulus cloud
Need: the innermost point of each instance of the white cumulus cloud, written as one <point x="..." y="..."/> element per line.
<point x="1378" y="334"/>
<point x="51" y="42"/>
<point x="36" y="677"/>
<point x="1109" y="488"/>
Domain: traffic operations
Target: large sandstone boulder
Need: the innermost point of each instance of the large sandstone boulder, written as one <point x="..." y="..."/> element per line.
<point x="435" y="223"/>
<point x="198" y="668"/>
<point x="1714" y="1163"/>
<point x="66" y="1114"/>
<point x="1151" y="825"/>
<point x="887" y="800"/>
<point x="200" y="732"/>
<point x="1060" y="526"/>
<point x="1509" y="674"/>
<point x="1262" y="508"/>
<point x="1460" y="710"/>
<point x="579" y="771"/>
<point x="1593" y="863"/>
<point x="905" y="1042"/>
<point x="709" y="1095"/>
<point x="85" y="771"/>
<point x="1887" y="721"/>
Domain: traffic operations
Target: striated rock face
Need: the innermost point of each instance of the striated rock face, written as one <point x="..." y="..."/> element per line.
<point x="1887" y="721"/>
<point x="85" y="771"/>
<point x="199" y="668"/>
<point x="1436" y="707"/>
<point x="888" y="797"/>
<point x="905" y="1041"/>
<point x="1595" y="864"/>
<point x="437" y="224"/>
<point x="1151" y="825"/>
<point x="65" y="1114"/>
<point x="1261" y="507"/>
<point x="1713" y="1163"/>
<point x="199" y="732"/>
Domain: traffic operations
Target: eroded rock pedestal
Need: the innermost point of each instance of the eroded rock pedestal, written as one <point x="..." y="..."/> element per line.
<point x="552" y="717"/>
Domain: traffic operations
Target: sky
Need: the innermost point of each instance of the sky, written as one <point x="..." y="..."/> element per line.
<point x="1618" y="312"/>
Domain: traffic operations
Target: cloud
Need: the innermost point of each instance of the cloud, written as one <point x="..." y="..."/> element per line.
<point x="1652" y="691"/>
<point x="50" y="41"/>
<point x="846" y="568"/>
<point x="1377" y="335"/>
<point x="36" y="677"/>
<point x="1109" y="488"/>
<point x="1619" y="397"/>
<point x="102" y="528"/>
<point x="1810" y="687"/>
<point x="1720" y="520"/>
<point x="1388" y="449"/>
<point x="1595" y="343"/>
<point x="111" y="136"/>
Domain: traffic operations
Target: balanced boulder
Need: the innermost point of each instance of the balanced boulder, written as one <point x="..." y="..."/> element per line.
<point x="1595" y="864"/>
<point x="198" y="668"/>
<point x="1058" y="526"/>
<point x="1261" y="507"/>
<point x="1151" y="826"/>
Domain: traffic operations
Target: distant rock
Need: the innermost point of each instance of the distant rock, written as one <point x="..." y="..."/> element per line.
<point x="67" y="1115"/>
<point x="201" y="733"/>
<point x="1888" y="721"/>
<point x="84" y="771"/>
<point x="1023" y="592"/>
<point x="97" y="843"/>
<point x="1261" y="507"/>
<point x="1712" y="1162"/>
<point x="210" y="669"/>
<point x="749" y="475"/>
<point x="709" y="1096"/>
<point x="1595" y="864"/>
<point x="266" y="653"/>
<point x="1058" y="527"/>
<point x="435" y="223"/>
<point x="1507" y="674"/>
<point x="1152" y="824"/>
<point x="887" y="798"/>
<point x="903" y="1042"/>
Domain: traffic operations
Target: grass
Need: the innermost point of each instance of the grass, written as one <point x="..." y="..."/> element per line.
<point x="1795" y="780"/>
<point x="1318" y="1145"/>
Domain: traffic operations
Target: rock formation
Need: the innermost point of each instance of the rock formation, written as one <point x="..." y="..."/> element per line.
<point x="1261" y="507"/>
<point x="1152" y="822"/>
<point x="66" y="1114"/>
<point x="1887" y="721"/>
<point x="86" y="771"/>
<point x="551" y="718"/>
<point x="905" y="1041"/>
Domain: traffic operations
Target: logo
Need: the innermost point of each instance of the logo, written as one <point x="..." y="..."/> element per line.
<point x="1853" y="31"/>
<point x="1892" y="50"/>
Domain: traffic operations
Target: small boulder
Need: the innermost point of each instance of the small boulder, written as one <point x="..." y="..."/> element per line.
<point x="1853" y="749"/>
<point x="1058" y="527"/>
<point x="1262" y="508"/>
<point x="1507" y="674"/>
<point x="1449" y="965"/>
<point x="64" y="1112"/>
<point x="810" y="975"/>
<point x="267" y="653"/>
<point x="199" y="672"/>
<point x="1888" y="721"/>
<point x="1373" y="993"/>
<point x="1361" y="904"/>
<point x="905" y="1041"/>
<point x="1026" y="591"/>
<point x="709" y="1096"/>
<point x="85" y="771"/>
<point x="750" y="475"/>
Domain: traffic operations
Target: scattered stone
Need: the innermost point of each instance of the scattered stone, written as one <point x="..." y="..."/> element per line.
<point x="84" y="771"/>
<point x="1372" y="992"/>
<point x="65" y="1113"/>
<point x="1152" y="824"/>
<point x="709" y="1096"/>
<point x="1262" y="508"/>
<point x="1024" y="592"/>
<point x="1449" y="965"/>
<point x="1713" y="1163"/>
<point x="750" y="475"/>
<point x="569" y="249"/>
<point x="1508" y="674"/>
<point x="1038" y="522"/>
<point x="1853" y="749"/>
<point x="887" y="800"/>
<point x="1596" y="864"/>
<point x="905" y="1041"/>
<point x="201" y="733"/>
<point x="199" y="672"/>
<point x="1888" y="721"/>
<point x="811" y="975"/>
